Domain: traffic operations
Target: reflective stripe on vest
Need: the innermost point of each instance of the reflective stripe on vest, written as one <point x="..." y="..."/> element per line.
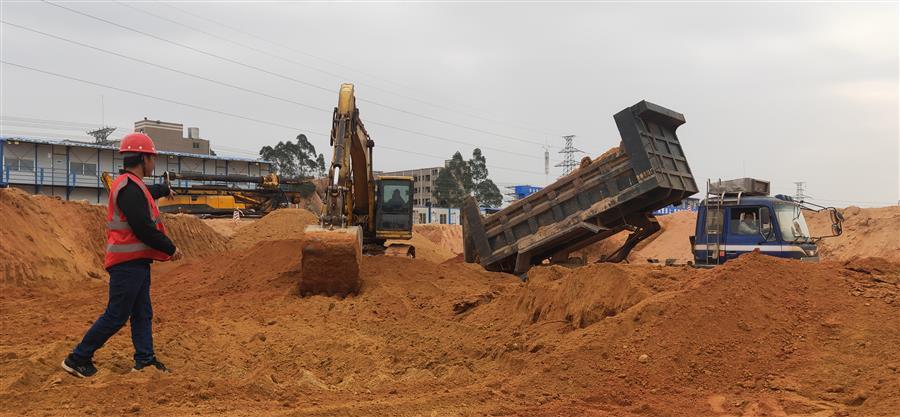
<point x="126" y="247"/>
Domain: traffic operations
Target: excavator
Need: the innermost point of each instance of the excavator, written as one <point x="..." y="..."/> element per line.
<point x="360" y="212"/>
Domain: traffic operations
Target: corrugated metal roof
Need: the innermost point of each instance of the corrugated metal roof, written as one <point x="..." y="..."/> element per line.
<point x="67" y="142"/>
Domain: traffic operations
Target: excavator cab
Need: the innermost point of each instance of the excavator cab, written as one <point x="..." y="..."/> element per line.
<point x="394" y="208"/>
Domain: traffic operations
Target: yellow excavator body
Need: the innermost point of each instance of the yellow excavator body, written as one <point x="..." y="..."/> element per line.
<point x="360" y="211"/>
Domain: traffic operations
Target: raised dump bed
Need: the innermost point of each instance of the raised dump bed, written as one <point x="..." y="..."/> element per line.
<point x="617" y="191"/>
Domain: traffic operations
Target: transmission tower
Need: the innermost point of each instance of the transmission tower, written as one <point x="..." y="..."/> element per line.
<point x="800" y="194"/>
<point x="102" y="134"/>
<point x="569" y="163"/>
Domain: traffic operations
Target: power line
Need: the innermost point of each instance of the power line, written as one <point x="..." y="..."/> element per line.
<point x="251" y="91"/>
<point x="225" y="113"/>
<point x="260" y="69"/>
<point x="238" y="30"/>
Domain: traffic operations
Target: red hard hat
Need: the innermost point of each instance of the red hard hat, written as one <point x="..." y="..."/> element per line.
<point x="137" y="142"/>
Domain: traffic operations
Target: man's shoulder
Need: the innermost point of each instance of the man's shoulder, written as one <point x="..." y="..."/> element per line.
<point x="131" y="190"/>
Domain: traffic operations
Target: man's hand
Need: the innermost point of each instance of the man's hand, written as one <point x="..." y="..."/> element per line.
<point x="177" y="255"/>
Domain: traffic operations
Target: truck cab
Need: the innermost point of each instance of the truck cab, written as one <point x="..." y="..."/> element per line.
<point x="739" y="216"/>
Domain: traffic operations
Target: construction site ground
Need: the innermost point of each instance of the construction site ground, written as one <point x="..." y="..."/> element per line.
<point x="434" y="336"/>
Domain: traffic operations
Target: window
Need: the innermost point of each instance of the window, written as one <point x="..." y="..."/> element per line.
<point x="744" y="221"/>
<point x="428" y="178"/>
<point x="422" y="218"/>
<point x="16" y="164"/>
<point x="81" y="168"/>
<point x="714" y="221"/>
<point x="196" y="145"/>
<point x="434" y="172"/>
<point x="443" y="219"/>
<point x="427" y="189"/>
<point x="792" y="223"/>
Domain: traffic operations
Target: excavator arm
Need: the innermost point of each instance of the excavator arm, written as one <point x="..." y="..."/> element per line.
<point x="351" y="187"/>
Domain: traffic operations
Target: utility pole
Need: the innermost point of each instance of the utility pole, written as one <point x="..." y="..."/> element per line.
<point x="569" y="163"/>
<point x="800" y="194"/>
<point x="101" y="135"/>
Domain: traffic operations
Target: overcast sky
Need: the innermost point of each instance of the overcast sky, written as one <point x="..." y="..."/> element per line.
<point x="779" y="91"/>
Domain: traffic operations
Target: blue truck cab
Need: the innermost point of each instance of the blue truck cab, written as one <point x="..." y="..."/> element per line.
<point x="739" y="216"/>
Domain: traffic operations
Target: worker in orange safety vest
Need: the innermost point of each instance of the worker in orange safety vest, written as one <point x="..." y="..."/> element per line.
<point x="136" y="237"/>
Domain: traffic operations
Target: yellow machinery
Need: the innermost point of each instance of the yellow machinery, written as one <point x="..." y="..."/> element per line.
<point x="360" y="212"/>
<point x="270" y="193"/>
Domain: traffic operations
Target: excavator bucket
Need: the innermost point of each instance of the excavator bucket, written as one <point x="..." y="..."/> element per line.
<point x="330" y="261"/>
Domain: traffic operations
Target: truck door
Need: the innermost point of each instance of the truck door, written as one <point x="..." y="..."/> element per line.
<point x="749" y="228"/>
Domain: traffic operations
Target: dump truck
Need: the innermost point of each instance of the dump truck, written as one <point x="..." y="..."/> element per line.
<point x="615" y="192"/>
<point x="740" y="216"/>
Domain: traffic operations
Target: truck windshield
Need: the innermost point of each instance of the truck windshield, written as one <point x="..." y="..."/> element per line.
<point x="791" y="221"/>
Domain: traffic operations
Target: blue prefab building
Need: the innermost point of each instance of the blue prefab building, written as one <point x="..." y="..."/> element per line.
<point x="71" y="169"/>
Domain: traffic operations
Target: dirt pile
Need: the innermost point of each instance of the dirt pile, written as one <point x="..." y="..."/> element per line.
<point x="228" y="227"/>
<point x="193" y="236"/>
<point x="759" y="336"/>
<point x="434" y="245"/>
<point x="287" y="223"/>
<point x="49" y="241"/>
<point x="448" y="236"/>
<point x="867" y="232"/>
<point x="671" y="242"/>
<point x="52" y="242"/>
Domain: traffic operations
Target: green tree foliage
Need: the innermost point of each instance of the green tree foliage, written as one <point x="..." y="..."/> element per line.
<point x="460" y="179"/>
<point x="453" y="182"/>
<point x="486" y="192"/>
<point x="295" y="159"/>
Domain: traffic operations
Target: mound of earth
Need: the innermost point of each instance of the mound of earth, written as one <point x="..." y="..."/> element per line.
<point x="52" y="242"/>
<point x="671" y="242"/>
<point x="759" y="336"/>
<point x="286" y="223"/>
<point x="448" y="236"/>
<point x="868" y="232"/>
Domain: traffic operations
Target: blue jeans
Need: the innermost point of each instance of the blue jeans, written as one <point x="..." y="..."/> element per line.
<point x="129" y="297"/>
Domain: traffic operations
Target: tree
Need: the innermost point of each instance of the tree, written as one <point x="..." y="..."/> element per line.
<point x="295" y="159"/>
<point x="320" y="166"/>
<point x="486" y="192"/>
<point x="460" y="178"/>
<point x="453" y="183"/>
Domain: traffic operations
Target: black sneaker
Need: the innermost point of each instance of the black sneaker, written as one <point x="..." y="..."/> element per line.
<point x="81" y="369"/>
<point x="139" y="366"/>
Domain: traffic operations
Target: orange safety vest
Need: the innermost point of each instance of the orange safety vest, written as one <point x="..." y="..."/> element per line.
<point x="121" y="243"/>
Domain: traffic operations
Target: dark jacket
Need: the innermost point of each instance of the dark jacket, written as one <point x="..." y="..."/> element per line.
<point x="133" y="204"/>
